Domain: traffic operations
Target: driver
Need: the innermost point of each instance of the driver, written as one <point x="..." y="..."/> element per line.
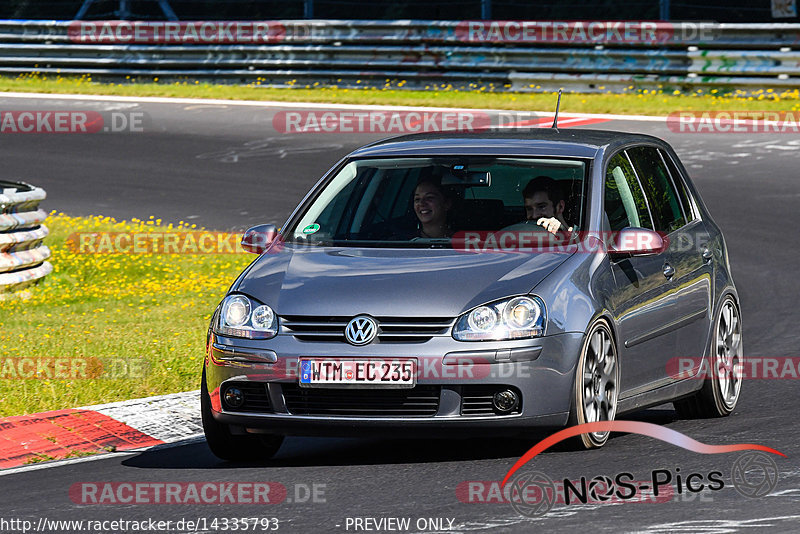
<point x="544" y="203"/>
<point x="432" y="206"/>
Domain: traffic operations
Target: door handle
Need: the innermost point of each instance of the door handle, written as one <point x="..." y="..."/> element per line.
<point x="707" y="254"/>
<point x="669" y="270"/>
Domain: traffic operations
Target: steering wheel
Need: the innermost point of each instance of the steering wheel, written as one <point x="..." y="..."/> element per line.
<point x="524" y="226"/>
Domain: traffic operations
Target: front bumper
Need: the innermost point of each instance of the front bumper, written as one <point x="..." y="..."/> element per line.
<point x="541" y="370"/>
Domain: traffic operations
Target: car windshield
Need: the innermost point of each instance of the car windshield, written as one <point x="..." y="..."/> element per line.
<point x="425" y="202"/>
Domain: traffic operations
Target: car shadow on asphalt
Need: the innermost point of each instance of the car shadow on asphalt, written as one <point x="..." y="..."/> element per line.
<point x="307" y="451"/>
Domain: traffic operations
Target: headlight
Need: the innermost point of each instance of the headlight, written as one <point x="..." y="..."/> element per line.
<point x="482" y="319"/>
<point x="239" y="317"/>
<point x="515" y="318"/>
<point x="235" y="311"/>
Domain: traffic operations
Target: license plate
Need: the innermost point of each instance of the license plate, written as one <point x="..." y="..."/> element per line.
<point x="377" y="373"/>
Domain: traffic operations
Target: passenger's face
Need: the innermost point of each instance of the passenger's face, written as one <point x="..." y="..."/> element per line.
<point x="540" y="205"/>
<point x="430" y="205"/>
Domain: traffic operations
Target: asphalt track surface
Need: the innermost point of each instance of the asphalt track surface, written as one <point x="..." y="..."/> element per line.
<point x="224" y="167"/>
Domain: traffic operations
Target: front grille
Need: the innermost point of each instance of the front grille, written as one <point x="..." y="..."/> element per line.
<point x="256" y="397"/>
<point x="420" y="401"/>
<point x="390" y="329"/>
<point x="477" y="400"/>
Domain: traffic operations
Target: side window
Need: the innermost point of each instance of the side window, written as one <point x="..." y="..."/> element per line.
<point x="625" y="204"/>
<point x="683" y="193"/>
<point x="657" y="182"/>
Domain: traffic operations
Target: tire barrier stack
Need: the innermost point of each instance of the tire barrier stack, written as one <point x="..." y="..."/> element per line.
<point x="421" y="54"/>
<point x="23" y="256"/>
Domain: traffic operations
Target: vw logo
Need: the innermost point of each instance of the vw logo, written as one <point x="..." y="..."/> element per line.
<point x="361" y="330"/>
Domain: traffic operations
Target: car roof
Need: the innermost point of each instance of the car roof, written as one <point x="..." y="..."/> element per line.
<point x="584" y="143"/>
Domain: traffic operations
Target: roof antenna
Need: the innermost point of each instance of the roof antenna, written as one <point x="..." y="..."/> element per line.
<point x="558" y="105"/>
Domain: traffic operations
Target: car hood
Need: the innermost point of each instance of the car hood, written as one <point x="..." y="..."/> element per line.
<point x="390" y="282"/>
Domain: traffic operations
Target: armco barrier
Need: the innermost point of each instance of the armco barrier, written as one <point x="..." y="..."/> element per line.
<point x="22" y="254"/>
<point x="725" y="35"/>
<point x="421" y="53"/>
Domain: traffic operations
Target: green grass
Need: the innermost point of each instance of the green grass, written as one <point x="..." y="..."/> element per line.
<point x="143" y="317"/>
<point x="38" y="458"/>
<point x="633" y="102"/>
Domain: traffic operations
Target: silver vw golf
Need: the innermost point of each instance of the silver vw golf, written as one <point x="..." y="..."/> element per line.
<point x="445" y="284"/>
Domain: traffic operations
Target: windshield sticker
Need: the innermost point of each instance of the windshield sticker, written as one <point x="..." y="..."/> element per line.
<point x="311" y="229"/>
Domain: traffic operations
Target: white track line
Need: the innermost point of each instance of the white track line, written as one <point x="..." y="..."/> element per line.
<point x="307" y="105"/>
<point x="99" y="456"/>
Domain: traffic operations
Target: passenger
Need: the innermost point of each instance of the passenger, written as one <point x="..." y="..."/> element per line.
<point x="432" y="205"/>
<point x="544" y="204"/>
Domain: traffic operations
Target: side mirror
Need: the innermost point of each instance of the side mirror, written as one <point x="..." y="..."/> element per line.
<point x="258" y="238"/>
<point x="637" y="242"/>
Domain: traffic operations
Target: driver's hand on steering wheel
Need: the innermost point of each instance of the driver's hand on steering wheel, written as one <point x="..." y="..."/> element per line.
<point x="551" y="224"/>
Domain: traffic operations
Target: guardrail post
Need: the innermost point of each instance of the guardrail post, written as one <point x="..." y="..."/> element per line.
<point x="167" y="10"/>
<point x="84" y="8"/>
<point x="124" y="12"/>
<point x="663" y="7"/>
<point x="486" y="9"/>
<point x="308" y="9"/>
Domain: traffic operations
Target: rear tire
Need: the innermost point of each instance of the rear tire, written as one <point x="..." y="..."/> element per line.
<point x="232" y="447"/>
<point x="721" y="389"/>
<point x="596" y="386"/>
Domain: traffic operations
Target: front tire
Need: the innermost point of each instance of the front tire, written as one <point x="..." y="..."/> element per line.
<point x="596" y="386"/>
<point x="720" y="391"/>
<point x="233" y="447"/>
